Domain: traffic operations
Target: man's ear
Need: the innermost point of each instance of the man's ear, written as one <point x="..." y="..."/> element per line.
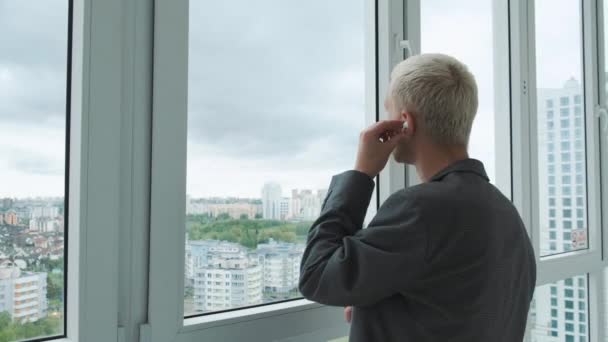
<point x="409" y="122"/>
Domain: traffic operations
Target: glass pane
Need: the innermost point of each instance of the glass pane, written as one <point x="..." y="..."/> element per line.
<point x="559" y="312"/>
<point x="276" y="104"/>
<point x="33" y="87"/>
<point x="561" y="130"/>
<point x="468" y="18"/>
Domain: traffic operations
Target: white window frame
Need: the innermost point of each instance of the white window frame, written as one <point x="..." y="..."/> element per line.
<point x="94" y="180"/>
<point x="525" y="156"/>
<point x="297" y="320"/>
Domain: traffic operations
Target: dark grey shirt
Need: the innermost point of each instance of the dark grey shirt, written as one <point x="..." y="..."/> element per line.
<point x="446" y="260"/>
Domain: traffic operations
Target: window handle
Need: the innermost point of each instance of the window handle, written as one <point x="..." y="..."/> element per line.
<point x="602" y="114"/>
<point x="407" y="46"/>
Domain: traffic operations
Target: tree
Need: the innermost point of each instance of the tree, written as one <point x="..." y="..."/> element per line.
<point x="5" y="320"/>
<point x="55" y="286"/>
<point x="244" y="217"/>
<point x="223" y="216"/>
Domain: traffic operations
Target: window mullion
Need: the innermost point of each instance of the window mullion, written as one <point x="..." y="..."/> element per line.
<point x="602" y="120"/>
<point x="523" y="114"/>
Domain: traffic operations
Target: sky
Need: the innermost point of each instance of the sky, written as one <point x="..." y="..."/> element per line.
<point x="277" y="97"/>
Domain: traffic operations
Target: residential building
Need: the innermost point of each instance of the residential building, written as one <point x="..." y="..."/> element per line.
<point x="271" y="201"/>
<point x="561" y="308"/>
<point x="22" y="294"/>
<point x="281" y="265"/>
<point x="45" y="224"/>
<point x="285" y="208"/>
<point x="229" y="279"/>
<point x="46" y="211"/>
<point x="11" y="218"/>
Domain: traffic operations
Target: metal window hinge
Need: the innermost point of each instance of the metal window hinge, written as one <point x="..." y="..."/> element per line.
<point x="144" y="333"/>
<point x="122" y="337"/>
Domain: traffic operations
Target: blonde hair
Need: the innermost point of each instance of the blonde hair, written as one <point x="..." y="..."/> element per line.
<point x="442" y="91"/>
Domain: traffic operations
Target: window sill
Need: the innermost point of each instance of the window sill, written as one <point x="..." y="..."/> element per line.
<point x="237" y="316"/>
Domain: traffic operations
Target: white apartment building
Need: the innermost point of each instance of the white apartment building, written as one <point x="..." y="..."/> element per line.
<point x="306" y="204"/>
<point x="285" y="208"/>
<point x="47" y="211"/>
<point x="561" y="308"/>
<point x="22" y="294"/>
<point x="45" y="224"/>
<point x="271" y="201"/>
<point x="229" y="279"/>
<point x="281" y="265"/>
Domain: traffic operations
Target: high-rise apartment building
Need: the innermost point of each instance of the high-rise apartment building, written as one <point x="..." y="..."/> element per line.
<point x="281" y="265"/>
<point x="560" y="311"/>
<point x="271" y="201"/>
<point x="229" y="279"/>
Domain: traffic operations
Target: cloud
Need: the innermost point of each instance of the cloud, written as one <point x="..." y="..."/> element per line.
<point x="33" y="60"/>
<point x="288" y="74"/>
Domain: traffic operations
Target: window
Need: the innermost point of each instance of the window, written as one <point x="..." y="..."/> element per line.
<point x="33" y="152"/>
<point x="477" y="54"/>
<point x="553" y="310"/>
<point x="558" y="75"/>
<point x="252" y="201"/>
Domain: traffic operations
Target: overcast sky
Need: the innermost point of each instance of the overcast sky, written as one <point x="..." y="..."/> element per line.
<point x="276" y="87"/>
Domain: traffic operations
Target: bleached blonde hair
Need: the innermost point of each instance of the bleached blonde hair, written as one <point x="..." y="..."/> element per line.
<point x="441" y="91"/>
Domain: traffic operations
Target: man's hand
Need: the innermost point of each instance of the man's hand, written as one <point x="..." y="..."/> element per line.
<point x="373" y="154"/>
<point x="348" y="314"/>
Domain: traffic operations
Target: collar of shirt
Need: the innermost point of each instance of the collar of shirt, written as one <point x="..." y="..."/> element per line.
<point x="465" y="165"/>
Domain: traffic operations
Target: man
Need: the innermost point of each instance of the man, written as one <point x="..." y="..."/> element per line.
<point x="446" y="260"/>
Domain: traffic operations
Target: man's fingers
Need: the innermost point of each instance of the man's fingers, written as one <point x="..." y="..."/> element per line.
<point x="383" y="130"/>
<point x="385" y="125"/>
<point x="348" y="313"/>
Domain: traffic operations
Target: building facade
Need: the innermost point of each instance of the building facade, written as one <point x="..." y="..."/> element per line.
<point x="229" y="279"/>
<point x="271" y="201"/>
<point x="22" y="294"/>
<point x="281" y="265"/>
<point x="560" y="310"/>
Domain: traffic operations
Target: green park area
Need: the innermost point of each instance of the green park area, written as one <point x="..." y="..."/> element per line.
<point x="245" y="231"/>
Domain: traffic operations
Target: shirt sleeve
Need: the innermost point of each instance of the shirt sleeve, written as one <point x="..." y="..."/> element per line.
<point x="344" y="264"/>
